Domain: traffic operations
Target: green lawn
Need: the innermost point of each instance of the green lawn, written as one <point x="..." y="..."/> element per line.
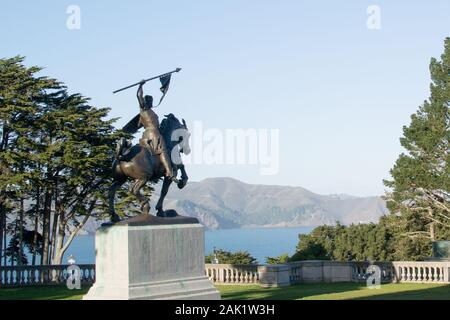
<point x="42" y="293"/>
<point x="322" y="291"/>
<point x="339" y="291"/>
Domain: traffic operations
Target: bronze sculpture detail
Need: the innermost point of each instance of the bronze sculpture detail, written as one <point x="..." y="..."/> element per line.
<point x="157" y="156"/>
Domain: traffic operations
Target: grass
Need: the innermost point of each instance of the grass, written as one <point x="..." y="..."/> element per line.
<point x="321" y="291"/>
<point x="339" y="291"/>
<point x="42" y="293"/>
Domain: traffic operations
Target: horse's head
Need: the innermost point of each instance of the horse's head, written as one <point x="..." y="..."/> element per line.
<point x="176" y="133"/>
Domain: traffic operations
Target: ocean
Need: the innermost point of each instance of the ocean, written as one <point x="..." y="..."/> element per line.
<point x="259" y="242"/>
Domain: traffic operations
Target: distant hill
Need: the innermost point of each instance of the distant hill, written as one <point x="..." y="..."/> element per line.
<point x="221" y="203"/>
<point x="224" y="203"/>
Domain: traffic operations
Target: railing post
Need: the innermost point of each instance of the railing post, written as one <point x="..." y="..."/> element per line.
<point x="446" y="273"/>
<point x="274" y="275"/>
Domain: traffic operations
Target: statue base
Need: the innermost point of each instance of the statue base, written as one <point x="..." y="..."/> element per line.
<point x="151" y="261"/>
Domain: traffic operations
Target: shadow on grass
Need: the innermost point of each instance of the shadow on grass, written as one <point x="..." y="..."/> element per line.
<point x="339" y="291"/>
<point x="299" y="291"/>
<point x="435" y="293"/>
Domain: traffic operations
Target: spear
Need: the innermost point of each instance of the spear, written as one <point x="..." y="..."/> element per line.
<point x="152" y="78"/>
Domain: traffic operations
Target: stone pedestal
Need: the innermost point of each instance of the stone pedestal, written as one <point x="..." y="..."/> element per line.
<point x="151" y="262"/>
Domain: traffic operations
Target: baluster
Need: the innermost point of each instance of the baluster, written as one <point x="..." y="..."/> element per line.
<point x="83" y="275"/>
<point x="60" y="275"/>
<point x="65" y="274"/>
<point x="46" y="271"/>
<point x="437" y="275"/>
<point x="227" y="275"/>
<point x="20" y="276"/>
<point x="53" y="275"/>
<point x="26" y="275"/>
<point x="32" y="275"/>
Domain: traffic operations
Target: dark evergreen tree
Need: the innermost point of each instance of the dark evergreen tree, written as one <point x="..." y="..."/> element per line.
<point x="227" y="257"/>
<point x="55" y="154"/>
<point x="420" y="185"/>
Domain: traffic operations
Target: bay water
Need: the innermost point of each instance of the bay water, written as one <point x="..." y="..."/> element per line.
<point x="259" y="242"/>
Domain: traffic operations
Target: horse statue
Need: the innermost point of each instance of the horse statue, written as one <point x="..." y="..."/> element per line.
<point x="138" y="163"/>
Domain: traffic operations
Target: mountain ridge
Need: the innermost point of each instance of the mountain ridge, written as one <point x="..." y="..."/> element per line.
<point x="242" y="204"/>
<point x="227" y="203"/>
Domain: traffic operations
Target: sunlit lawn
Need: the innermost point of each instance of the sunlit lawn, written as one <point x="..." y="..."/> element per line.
<point x="321" y="291"/>
<point x="339" y="291"/>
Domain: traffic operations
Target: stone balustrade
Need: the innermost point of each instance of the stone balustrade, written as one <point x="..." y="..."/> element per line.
<point x="232" y="274"/>
<point x="422" y="272"/>
<point x="328" y="271"/>
<point x="43" y="275"/>
<point x="360" y="274"/>
<point x="263" y="275"/>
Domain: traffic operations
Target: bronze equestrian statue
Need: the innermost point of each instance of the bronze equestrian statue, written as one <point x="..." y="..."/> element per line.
<point x="157" y="156"/>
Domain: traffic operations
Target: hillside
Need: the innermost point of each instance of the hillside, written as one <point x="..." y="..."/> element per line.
<point x="228" y="203"/>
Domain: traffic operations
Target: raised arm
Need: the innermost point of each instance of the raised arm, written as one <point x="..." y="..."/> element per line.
<point x="140" y="95"/>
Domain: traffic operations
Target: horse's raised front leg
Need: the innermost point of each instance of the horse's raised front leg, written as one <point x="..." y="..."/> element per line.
<point x="111" y="194"/>
<point x="184" y="178"/>
<point x="164" y="189"/>
<point x="136" y="190"/>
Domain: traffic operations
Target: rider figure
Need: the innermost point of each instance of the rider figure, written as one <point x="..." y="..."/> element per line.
<point x="152" y="139"/>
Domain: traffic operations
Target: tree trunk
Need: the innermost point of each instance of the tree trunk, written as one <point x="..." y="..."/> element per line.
<point x="4" y="239"/>
<point x="57" y="259"/>
<point x="1" y="232"/>
<point x="56" y="218"/>
<point x="36" y="227"/>
<point x="62" y="247"/>
<point x="432" y="226"/>
<point x="20" y="253"/>
<point x="433" y="231"/>
<point x="46" y="227"/>
<point x="54" y="235"/>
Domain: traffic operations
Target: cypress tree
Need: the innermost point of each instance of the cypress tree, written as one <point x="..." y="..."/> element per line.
<point x="420" y="185"/>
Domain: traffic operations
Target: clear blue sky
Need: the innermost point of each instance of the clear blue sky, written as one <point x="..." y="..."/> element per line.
<point x="339" y="92"/>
